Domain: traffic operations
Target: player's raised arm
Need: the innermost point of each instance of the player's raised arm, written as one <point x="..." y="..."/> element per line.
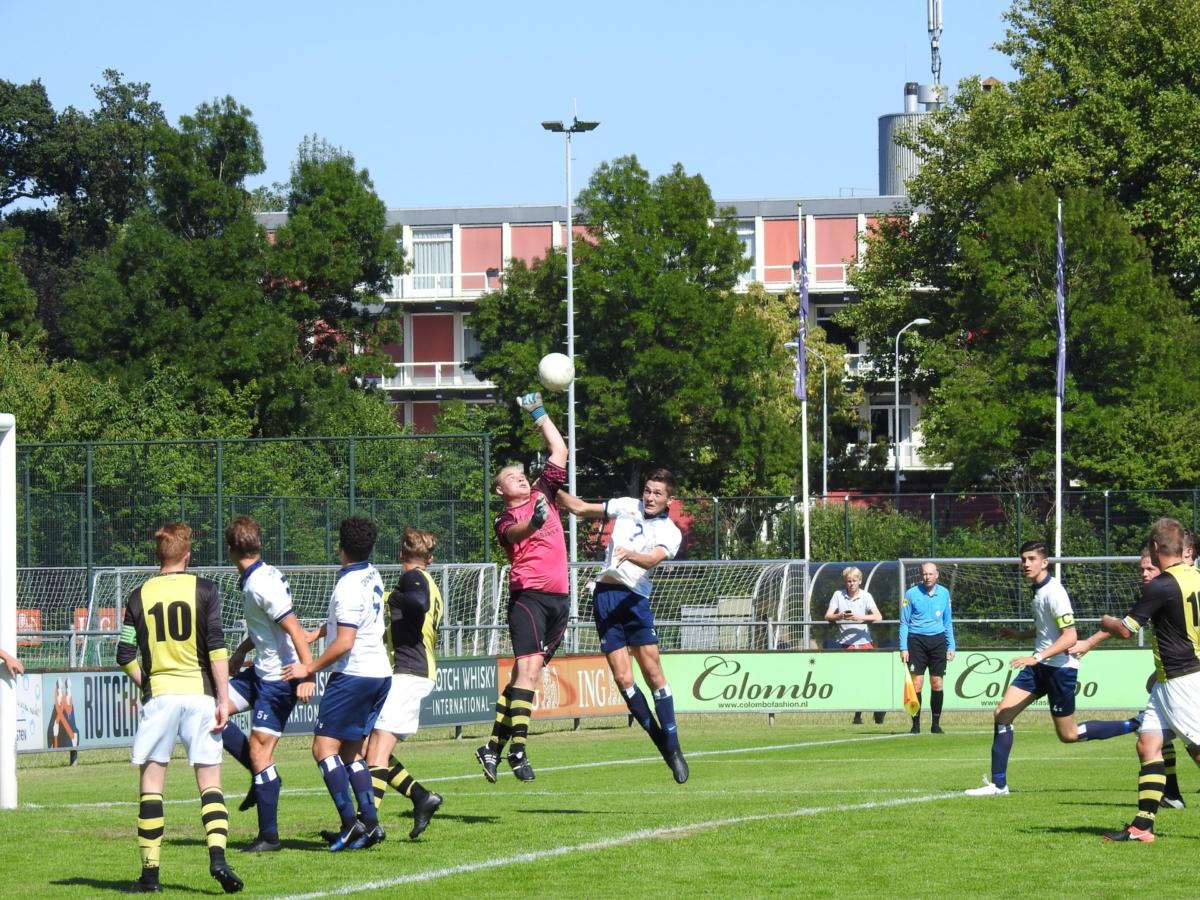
<point x="556" y="447"/>
<point x="581" y="508"/>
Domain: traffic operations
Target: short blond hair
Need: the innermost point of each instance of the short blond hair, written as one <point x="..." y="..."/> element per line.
<point x="417" y="545"/>
<point x="500" y="474"/>
<point x="851" y="570"/>
<point x="172" y="542"/>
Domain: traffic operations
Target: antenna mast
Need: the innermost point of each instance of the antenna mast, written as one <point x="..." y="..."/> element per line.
<point x="933" y="10"/>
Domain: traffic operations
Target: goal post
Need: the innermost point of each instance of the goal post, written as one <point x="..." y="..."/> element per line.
<point x="8" y="608"/>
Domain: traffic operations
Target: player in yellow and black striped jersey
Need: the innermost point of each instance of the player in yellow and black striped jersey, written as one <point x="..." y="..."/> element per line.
<point x="415" y="612"/>
<point x="1171" y="603"/>
<point x="172" y="624"/>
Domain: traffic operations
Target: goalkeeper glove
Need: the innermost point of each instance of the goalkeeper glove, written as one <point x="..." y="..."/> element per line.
<point x="532" y="404"/>
<point x="541" y="510"/>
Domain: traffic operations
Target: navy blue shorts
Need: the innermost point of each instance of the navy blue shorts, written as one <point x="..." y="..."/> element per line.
<point x="623" y="618"/>
<point x="1055" y="682"/>
<point x="272" y="701"/>
<point x="350" y="706"/>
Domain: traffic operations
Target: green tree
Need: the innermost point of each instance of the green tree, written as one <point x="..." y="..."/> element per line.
<point x="18" y="303"/>
<point x="987" y="363"/>
<point x="673" y="366"/>
<point x="334" y="259"/>
<point x="1105" y="97"/>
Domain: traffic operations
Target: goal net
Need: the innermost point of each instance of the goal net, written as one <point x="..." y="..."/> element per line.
<point x="986" y="593"/>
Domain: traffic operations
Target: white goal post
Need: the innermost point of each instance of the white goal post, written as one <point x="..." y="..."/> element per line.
<point x="8" y="608"/>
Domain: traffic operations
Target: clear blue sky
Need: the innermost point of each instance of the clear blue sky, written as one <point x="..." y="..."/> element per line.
<point x="442" y="101"/>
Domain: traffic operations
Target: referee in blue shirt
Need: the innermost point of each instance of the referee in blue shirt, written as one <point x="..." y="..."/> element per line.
<point x="927" y="639"/>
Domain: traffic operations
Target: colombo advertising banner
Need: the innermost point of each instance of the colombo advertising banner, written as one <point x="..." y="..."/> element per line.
<point x="975" y="680"/>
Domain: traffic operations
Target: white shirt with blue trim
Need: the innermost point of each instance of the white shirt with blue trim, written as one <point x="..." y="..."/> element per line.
<point x="1051" y="613"/>
<point x="267" y="601"/>
<point x="634" y="531"/>
<point x="357" y="601"/>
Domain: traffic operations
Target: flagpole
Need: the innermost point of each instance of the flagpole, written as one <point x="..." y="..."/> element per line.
<point x="1060" y="387"/>
<point x="802" y="374"/>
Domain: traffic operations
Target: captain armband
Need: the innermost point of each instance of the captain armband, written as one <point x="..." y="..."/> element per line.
<point x="1065" y="621"/>
<point x="1132" y="624"/>
<point x="128" y="635"/>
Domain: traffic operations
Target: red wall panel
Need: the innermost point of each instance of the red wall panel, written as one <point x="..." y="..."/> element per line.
<point x="530" y="242"/>
<point x="781" y="247"/>
<point x="836" y="245"/>
<point x="480" y="252"/>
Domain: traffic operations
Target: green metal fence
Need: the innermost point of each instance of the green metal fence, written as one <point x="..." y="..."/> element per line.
<point x="91" y="505"/>
<point x="881" y="526"/>
<point x="98" y="504"/>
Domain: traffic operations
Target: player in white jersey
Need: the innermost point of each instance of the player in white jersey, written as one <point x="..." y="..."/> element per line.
<point x="277" y="639"/>
<point x="357" y="688"/>
<point x="643" y="535"/>
<point x="1051" y="670"/>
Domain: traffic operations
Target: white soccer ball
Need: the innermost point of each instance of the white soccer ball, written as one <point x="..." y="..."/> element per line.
<point x="556" y="371"/>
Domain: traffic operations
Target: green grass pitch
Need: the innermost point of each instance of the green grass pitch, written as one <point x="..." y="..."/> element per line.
<point x="810" y="806"/>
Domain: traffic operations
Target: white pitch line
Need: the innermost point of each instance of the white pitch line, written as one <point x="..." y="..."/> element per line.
<point x="300" y="792"/>
<point x="608" y="843"/>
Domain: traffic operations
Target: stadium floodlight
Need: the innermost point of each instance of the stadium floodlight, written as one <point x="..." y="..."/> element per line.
<point x="896" y="409"/>
<point x="8" y="608"/>
<point x="575" y="127"/>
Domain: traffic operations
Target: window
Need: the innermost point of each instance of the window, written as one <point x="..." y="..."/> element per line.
<point x="471" y="345"/>
<point x="745" y="233"/>
<point x="431" y="259"/>
<point x="881" y="415"/>
<point x="835" y="333"/>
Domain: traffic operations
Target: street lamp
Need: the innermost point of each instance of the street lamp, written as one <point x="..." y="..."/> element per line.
<point x="793" y="346"/>
<point x="896" y="410"/>
<point x="576" y="127"/>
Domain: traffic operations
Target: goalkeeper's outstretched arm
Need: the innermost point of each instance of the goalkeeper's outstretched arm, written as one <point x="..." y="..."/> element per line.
<point x="556" y="447"/>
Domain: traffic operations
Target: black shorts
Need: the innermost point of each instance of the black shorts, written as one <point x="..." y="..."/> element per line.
<point x="927" y="651"/>
<point x="537" y="621"/>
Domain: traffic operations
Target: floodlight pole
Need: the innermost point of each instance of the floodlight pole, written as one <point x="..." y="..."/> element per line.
<point x="8" y="609"/>
<point x="576" y="127"/>
<point x="896" y="410"/>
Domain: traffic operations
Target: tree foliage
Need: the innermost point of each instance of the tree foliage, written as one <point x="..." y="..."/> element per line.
<point x="1106" y="97"/>
<point x="673" y="366"/>
<point x="987" y="363"/>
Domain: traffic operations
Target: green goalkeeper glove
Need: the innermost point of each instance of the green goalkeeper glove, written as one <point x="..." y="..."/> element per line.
<point x="541" y="510"/>
<point x="532" y="404"/>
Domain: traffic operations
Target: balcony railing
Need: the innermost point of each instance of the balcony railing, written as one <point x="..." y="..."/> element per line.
<point x="431" y="376"/>
<point x="824" y="275"/>
<point x="443" y="285"/>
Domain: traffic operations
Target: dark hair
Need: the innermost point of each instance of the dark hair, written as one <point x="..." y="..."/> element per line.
<point x="1147" y="550"/>
<point x="1168" y="534"/>
<point x="665" y="476"/>
<point x="1038" y="547"/>
<point x="243" y="537"/>
<point x="356" y="537"/>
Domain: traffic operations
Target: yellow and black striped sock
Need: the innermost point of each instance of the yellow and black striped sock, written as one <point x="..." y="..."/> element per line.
<point x="520" y="703"/>
<point x="503" y="726"/>
<point x="150" y="833"/>
<point x="396" y="777"/>
<point x="215" y="817"/>
<point x="1151" y="781"/>
<point x="1172" y="783"/>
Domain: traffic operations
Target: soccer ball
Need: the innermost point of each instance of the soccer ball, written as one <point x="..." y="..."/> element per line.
<point x="556" y="371"/>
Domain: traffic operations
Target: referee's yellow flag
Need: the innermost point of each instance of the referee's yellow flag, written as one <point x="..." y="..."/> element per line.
<point x="912" y="703"/>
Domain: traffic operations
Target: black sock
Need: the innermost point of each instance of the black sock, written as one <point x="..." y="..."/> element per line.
<point x="935" y="704"/>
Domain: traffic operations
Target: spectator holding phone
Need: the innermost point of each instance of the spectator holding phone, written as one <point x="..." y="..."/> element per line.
<point x="851" y="610"/>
